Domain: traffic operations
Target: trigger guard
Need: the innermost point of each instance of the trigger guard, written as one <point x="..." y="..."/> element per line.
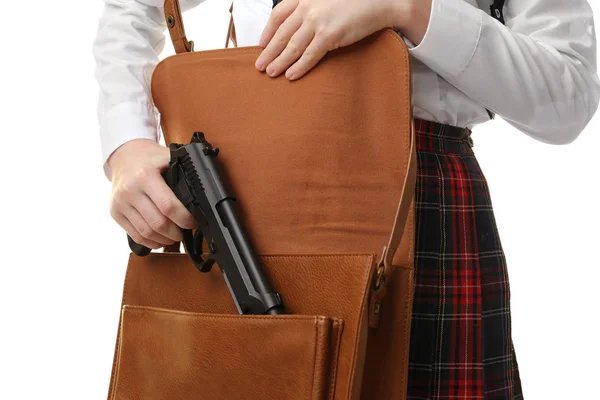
<point x="191" y="243"/>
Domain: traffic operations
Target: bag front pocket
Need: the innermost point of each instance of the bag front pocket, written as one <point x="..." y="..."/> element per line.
<point x="168" y="354"/>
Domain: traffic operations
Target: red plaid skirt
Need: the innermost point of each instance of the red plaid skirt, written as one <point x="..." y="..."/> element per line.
<point x="461" y="345"/>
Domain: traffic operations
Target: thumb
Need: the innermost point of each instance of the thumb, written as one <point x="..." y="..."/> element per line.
<point x="161" y="158"/>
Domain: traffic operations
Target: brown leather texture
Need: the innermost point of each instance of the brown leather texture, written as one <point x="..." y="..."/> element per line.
<point x="294" y="354"/>
<point x="180" y="336"/>
<point x="386" y="369"/>
<point x="317" y="164"/>
<point x="323" y="171"/>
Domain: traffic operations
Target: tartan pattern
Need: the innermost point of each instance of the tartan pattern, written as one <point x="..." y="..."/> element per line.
<point x="461" y="345"/>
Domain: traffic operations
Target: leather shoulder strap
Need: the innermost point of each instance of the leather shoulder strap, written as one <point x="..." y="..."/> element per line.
<point x="406" y="197"/>
<point x="231" y="29"/>
<point x="384" y="268"/>
<point x="175" y="26"/>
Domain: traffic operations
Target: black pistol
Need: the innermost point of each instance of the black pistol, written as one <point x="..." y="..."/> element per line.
<point x="195" y="177"/>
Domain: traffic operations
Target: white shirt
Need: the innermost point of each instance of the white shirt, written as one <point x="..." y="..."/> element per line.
<point x="538" y="72"/>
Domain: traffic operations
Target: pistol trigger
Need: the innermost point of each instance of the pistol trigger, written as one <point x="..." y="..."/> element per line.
<point x="198" y="237"/>
<point x="207" y="265"/>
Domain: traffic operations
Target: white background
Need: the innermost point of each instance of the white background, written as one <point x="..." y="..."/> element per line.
<point x="63" y="258"/>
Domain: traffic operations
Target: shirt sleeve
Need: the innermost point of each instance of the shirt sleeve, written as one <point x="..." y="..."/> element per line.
<point x="538" y="72"/>
<point x="129" y="38"/>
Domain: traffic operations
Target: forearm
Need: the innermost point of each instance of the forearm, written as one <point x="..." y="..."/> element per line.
<point x="129" y="37"/>
<point x="538" y="74"/>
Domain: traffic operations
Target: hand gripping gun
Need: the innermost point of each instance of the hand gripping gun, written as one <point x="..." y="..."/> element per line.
<point x="195" y="177"/>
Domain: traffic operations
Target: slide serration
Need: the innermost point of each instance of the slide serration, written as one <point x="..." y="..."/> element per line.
<point x="190" y="172"/>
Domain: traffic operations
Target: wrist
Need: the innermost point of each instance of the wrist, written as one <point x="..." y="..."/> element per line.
<point x="114" y="157"/>
<point x="399" y="13"/>
<point x="121" y="152"/>
<point x="411" y="18"/>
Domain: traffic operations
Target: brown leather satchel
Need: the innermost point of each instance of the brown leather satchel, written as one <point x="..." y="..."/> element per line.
<point x="323" y="169"/>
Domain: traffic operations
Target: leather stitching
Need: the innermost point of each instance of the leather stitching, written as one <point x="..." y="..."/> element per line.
<point x="407" y="322"/>
<point x="112" y="385"/>
<point x="284" y="256"/>
<point x="366" y="295"/>
<point x="336" y="357"/>
<point x="311" y="391"/>
<point x="292" y="317"/>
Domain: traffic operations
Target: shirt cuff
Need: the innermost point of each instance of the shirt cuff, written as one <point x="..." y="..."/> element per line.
<point x="451" y="37"/>
<point x="125" y="122"/>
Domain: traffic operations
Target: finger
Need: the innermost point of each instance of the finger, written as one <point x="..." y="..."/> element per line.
<point x="140" y="224"/>
<point x="292" y="52"/>
<point x="278" y="42"/>
<point x="135" y="235"/>
<point x="278" y="15"/>
<point x="156" y="220"/>
<point x="170" y="206"/>
<point x="315" y="51"/>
